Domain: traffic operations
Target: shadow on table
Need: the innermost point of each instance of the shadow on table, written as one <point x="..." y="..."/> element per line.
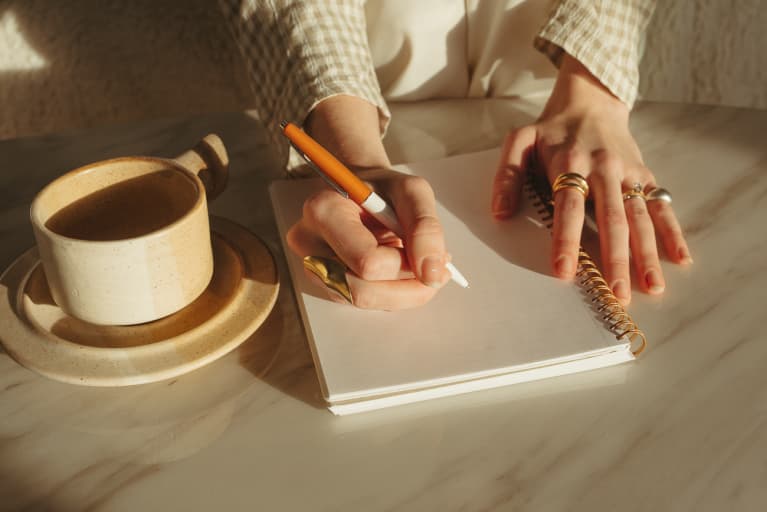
<point x="278" y="353"/>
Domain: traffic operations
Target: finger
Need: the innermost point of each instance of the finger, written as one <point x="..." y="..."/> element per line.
<point x="643" y="246"/>
<point x="379" y="295"/>
<point x="414" y="202"/>
<point x="337" y="221"/>
<point x="667" y="226"/>
<point x="510" y="176"/>
<point x="569" y="214"/>
<point x="569" y="211"/>
<point x="390" y="295"/>
<point x="613" y="227"/>
<point x="305" y="241"/>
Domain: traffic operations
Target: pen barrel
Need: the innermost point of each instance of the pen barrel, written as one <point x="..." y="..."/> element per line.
<point x="328" y="164"/>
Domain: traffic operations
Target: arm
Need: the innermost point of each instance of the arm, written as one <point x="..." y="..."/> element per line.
<point x="299" y="53"/>
<point x="315" y="68"/>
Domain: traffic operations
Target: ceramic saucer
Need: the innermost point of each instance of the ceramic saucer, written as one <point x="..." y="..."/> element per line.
<point x="40" y="336"/>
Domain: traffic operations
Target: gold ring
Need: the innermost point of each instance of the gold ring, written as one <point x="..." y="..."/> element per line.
<point x="332" y="273"/>
<point x="635" y="191"/>
<point x="570" y="180"/>
<point x="659" y="194"/>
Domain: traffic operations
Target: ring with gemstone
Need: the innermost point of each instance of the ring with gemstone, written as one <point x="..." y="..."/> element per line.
<point x="634" y="191"/>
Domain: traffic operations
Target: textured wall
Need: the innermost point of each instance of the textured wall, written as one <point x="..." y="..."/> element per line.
<point x="707" y="51"/>
<point x="83" y="63"/>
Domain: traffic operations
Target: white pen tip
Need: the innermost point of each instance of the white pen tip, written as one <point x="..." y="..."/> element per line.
<point x="456" y="275"/>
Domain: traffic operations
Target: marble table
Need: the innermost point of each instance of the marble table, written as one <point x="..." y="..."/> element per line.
<point x="682" y="428"/>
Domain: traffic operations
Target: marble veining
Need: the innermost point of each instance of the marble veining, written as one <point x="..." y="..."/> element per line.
<point x="682" y="428"/>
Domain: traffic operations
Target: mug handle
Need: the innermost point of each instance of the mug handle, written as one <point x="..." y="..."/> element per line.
<point x="210" y="162"/>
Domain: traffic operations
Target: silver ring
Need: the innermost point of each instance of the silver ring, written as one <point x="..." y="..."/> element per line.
<point x="659" y="194"/>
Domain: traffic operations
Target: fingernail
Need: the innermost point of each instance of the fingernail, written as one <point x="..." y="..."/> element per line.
<point x="501" y="205"/>
<point x="621" y="291"/>
<point x="684" y="256"/>
<point x="563" y="266"/>
<point x="654" y="281"/>
<point x="433" y="271"/>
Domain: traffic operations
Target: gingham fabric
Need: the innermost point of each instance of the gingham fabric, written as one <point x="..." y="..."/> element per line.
<point x="606" y="36"/>
<point x="300" y="52"/>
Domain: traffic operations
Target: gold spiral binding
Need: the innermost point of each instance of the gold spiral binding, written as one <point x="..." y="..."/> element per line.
<point x="588" y="276"/>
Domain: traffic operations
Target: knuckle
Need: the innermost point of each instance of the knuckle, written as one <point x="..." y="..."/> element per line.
<point x="674" y="234"/>
<point x="524" y="131"/>
<point x="291" y="237"/>
<point x="566" y="245"/>
<point x="614" y="216"/>
<point x="607" y="161"/>
<point x="648" y="260"/>
<point x="368" y="266"/>
<point x="426" y="225"/>
<point x="364" y="299"/>
<point x="646" y="174"/>
<point x="317" y="205"/>
<point x="618" y="261"/>
<point x="571" y="159"/>
<point x="415" y="185"/>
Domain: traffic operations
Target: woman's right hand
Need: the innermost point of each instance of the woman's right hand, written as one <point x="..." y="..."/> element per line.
<point x="382" y="270"/>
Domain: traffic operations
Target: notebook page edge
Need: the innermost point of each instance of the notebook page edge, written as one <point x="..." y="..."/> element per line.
<point x="608" y="359"/>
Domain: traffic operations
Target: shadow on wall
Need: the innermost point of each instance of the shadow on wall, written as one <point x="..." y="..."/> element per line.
<point x="78" y="64"/>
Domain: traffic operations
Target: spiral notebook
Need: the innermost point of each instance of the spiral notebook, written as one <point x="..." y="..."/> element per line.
<point x="515" y="323"/>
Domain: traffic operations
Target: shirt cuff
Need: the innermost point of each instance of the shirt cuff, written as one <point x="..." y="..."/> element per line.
<point x="607" y="41"/>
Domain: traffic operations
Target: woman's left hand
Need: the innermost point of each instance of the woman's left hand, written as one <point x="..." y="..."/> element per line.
<point x="584" y="129"/>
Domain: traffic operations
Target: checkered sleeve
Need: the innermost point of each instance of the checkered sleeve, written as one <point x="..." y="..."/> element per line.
<point x="300" y="52"/>
<point x="606" y="36"/>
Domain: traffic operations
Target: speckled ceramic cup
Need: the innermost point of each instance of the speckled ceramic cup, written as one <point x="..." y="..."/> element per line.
<point x="127" y="240"/>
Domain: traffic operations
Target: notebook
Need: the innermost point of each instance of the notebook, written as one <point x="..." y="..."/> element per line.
<point x="515" y="323"/>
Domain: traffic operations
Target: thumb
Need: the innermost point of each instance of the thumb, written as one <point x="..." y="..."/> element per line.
<point x="413" y="199"/>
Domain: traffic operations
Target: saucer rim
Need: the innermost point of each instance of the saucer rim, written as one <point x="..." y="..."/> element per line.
<point x="66" y="352"/>
<point x="136" y="350"/>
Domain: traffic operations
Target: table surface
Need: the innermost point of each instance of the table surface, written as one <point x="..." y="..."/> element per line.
<point x="682" y="428"/>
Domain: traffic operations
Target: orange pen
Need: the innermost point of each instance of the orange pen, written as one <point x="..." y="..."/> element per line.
<point x="348" y="184"/>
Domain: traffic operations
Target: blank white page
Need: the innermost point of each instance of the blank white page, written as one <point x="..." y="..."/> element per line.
<point x="514" y="316"/>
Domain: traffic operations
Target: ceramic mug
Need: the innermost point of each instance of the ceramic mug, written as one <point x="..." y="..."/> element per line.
<point x="127" y="240"/>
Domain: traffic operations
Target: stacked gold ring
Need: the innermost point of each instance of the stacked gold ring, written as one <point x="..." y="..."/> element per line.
<point x="635" y="191"/>
<point x="570" y="180"/>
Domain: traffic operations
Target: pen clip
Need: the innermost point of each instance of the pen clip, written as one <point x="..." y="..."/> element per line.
<point x="322" y="175"/>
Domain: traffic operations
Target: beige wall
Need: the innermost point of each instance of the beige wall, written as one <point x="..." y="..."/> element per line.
<point x="707" y="51"/>
<point x="84" y="63"/>
<point x="81" y="63"/>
